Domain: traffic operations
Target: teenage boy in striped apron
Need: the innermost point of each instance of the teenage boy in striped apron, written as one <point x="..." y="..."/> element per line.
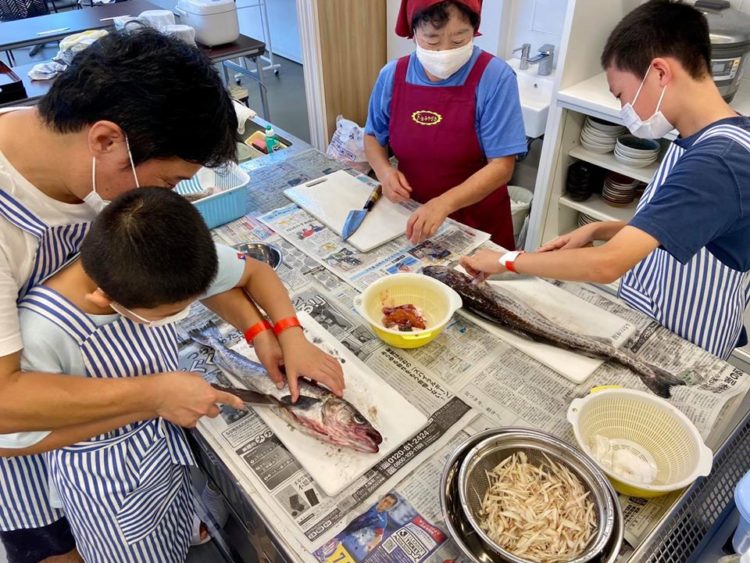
<point x="684" y="258"/>
<point x="86" y="142"/>
<point x="123" y="483"/>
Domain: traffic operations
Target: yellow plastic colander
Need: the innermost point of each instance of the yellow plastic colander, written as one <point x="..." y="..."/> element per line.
<point x="649" y="427"/>
<point x="436" y="301"/>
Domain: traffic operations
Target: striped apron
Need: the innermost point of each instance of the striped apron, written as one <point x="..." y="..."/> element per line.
<point x="702" y="301"/>
<point x="126" y="493"/>
<point x="24" y="501"/>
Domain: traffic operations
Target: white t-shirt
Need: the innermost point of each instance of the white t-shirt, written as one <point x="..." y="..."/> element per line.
<point x="18" y="248"/>
<point x="48" y="348"/>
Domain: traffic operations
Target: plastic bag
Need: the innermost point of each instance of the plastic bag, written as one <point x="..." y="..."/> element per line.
<point x="348" y="145"/>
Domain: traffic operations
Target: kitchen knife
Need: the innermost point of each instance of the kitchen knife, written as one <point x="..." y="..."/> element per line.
<point x="259" y="399"/>
<point x="356" y="216"/>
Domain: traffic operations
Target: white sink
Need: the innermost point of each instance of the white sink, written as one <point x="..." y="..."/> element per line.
<point x="535" y="93"/>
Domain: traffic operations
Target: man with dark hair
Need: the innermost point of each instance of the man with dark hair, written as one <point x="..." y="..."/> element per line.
<point x="684" y="258"/>
<point x="133" y="108"/>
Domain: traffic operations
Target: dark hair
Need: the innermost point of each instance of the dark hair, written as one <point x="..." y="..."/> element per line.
<point x="150" y="247"/>
<point x="660" y="28"/>
<point x="438" y="15"/>
<point x="165" y="95"/>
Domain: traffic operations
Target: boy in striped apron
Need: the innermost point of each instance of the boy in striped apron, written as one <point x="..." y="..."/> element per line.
<point x="110" y="314"/>
<point x="684" y="258"/>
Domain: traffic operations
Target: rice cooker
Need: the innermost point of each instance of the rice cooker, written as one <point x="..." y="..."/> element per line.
<point x="215" y="21"/>
<point x="729" y="30"/>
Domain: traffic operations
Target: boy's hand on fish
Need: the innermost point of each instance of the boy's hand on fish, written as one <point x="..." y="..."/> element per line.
<point x="482" y="264"/>
<point x="185" y="397"/>
<point x="304" y="359"/>
<point x="269" y="352"/>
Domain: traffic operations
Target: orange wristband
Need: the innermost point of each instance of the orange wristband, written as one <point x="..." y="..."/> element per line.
<point x="286" y="323"/>
<point x="256" y="329"/>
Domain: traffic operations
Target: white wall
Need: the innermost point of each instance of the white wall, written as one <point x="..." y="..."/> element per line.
<point x="536" y="22"/>
<point x="282" y="18"/>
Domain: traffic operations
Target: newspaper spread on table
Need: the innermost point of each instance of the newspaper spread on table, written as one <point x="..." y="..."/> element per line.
<point x="467" y="371"/>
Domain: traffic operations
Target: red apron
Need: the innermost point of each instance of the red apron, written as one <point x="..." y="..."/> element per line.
<point x="432" y="134"/>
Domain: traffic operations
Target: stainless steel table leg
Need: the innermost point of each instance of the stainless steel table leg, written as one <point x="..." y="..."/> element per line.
<point x="263" y="91"/>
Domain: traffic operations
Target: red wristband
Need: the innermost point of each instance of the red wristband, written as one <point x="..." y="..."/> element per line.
<point x="511" y="267"/>
<point x="286" y="323"/>
<point x="256" y="329"/>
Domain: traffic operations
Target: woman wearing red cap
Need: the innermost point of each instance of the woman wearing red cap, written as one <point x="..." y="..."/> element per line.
<point x="451" y="116"/>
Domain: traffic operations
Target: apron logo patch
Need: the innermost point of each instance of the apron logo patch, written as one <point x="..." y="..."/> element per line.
<point x="426" y="117"/>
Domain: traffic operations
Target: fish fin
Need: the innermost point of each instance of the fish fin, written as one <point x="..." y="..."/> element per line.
<point x="206" y="336"/>
<point x="662" y="381"/>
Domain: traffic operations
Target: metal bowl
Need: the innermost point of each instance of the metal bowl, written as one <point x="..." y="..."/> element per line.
<point x="485" y="455"/>
<point x="262" y="252"/>
<point x="466" y="537"/>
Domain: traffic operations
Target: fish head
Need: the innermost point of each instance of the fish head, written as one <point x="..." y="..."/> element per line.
<point x="347" y="427"/>
<point x="473" y="296"/>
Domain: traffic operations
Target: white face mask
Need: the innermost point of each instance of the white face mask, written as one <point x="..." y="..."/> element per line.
<point x="443" y="64"/>
<point x="93" y="199"/>
<point x="655" y="127"/>
<point x="136" y="318"/>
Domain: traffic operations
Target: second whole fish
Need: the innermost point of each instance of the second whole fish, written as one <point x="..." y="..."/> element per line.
<point x="506" y="311"/>
<point x="318" y="412"/>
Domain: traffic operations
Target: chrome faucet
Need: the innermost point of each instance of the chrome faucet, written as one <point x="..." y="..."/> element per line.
<point x="525" y="50"/>
<point x="545" y="58"/>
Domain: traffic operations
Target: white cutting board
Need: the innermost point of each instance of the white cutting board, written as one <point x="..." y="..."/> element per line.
<point x="565" y="309"/>
<point x="334" y="467"/>
<point x="330" y="199"/>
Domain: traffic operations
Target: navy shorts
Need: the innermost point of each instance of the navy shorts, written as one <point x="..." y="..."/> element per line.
<point x="34" y="544"/>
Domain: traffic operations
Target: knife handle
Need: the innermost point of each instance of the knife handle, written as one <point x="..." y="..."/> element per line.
<point x="374" y="197"/>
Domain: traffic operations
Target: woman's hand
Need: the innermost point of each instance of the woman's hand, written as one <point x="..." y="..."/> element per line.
<point x="426" y="220"/>
<point x="395" y="186"/>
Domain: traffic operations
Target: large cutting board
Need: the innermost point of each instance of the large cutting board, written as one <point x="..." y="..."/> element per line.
<point x="330" y="198"/>
<point x="567" y="310"/>
<point x="333" y="467"/>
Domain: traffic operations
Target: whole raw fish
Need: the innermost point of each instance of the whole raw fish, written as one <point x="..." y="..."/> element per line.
<point x="502" y="309"/>
<point x="318" y="412"/>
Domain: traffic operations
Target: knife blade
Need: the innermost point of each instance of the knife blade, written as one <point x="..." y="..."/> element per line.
<point x="356" y="216"/>
<point x="257" y="399"/>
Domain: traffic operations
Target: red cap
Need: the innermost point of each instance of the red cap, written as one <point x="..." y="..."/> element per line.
<point x="411" y="7"/>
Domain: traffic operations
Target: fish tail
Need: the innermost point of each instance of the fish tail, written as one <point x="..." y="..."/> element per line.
<point x="209" y="335"/>
<point x="658" y="380"/>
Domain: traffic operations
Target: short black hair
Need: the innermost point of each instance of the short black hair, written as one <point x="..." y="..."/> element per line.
<point x="150" y="247"/>
<point x="660" y="28"/>
<point x="165" y="95"/>
<point x="438" y="15"/>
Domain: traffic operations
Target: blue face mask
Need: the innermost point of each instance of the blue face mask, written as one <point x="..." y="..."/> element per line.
<point x="93" y="199"/>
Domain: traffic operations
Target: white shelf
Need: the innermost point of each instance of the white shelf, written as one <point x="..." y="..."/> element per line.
<point x="593" y="97"/>
<point x="609" y="162"/>
<point x="596" y="207"/>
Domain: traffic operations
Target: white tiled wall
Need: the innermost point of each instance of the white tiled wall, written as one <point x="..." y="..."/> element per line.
<point x="536" y="22"/>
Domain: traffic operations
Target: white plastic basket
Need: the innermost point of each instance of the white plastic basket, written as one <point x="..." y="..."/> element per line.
<point x="649" y="427"/>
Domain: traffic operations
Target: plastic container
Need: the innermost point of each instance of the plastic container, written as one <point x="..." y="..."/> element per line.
<point x="741" y="539"/>
<point x="272" y="142"/>
<point x="435" y="300"/>
<point x="215" y="21"/>
<point x="520" y="204"/>
<point x="230" y="200"/>
<point x="648" y="427"/>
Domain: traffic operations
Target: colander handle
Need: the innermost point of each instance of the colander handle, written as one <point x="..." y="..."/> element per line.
<point x="420" y="336"/>
<point x="705" y="461"/>
<point x="455" y="300"/>
<point x="574" y="411"/>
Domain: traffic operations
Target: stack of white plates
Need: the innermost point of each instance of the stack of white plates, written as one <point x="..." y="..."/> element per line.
<point x="619" y="190"/>
<point x="600" y="136"/>
<point x="584" y="219"/>
<point x="636" y="152"/>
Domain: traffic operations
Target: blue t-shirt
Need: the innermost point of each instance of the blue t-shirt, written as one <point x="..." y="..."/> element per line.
<point x="704" y="201"/>
<point x="498" y="120"/>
